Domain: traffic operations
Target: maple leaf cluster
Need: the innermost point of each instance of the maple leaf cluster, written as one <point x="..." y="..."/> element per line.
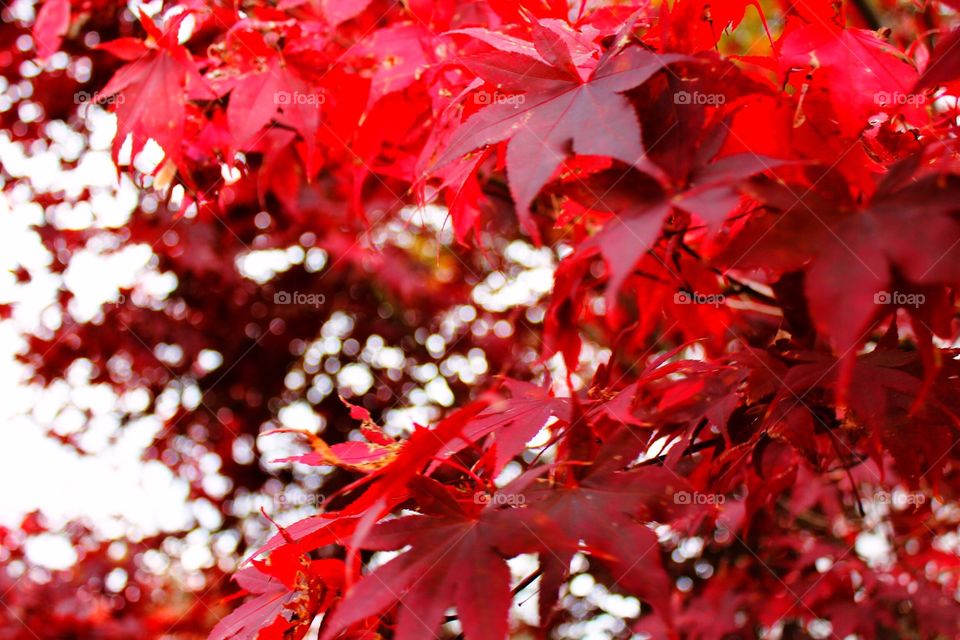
<point x="733" y="414"/>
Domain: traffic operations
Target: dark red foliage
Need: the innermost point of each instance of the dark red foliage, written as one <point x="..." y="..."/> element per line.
<point x="107" y="594"/>
<point x="736" y="410"/>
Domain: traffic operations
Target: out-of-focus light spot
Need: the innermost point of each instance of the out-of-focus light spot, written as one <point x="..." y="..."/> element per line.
<point x="356" y="377"/>
<point x="582" y="585"/>
<point x="51" y="551"/>
<point x="116" y="580"/>
<point x="872" y="547"/>
<point x="300" y="415"/>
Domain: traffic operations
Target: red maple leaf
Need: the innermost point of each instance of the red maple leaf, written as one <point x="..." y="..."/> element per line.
<point x="559" y="111"/>
<point x="149" y="94"/>
<point x="458" y="557"/>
